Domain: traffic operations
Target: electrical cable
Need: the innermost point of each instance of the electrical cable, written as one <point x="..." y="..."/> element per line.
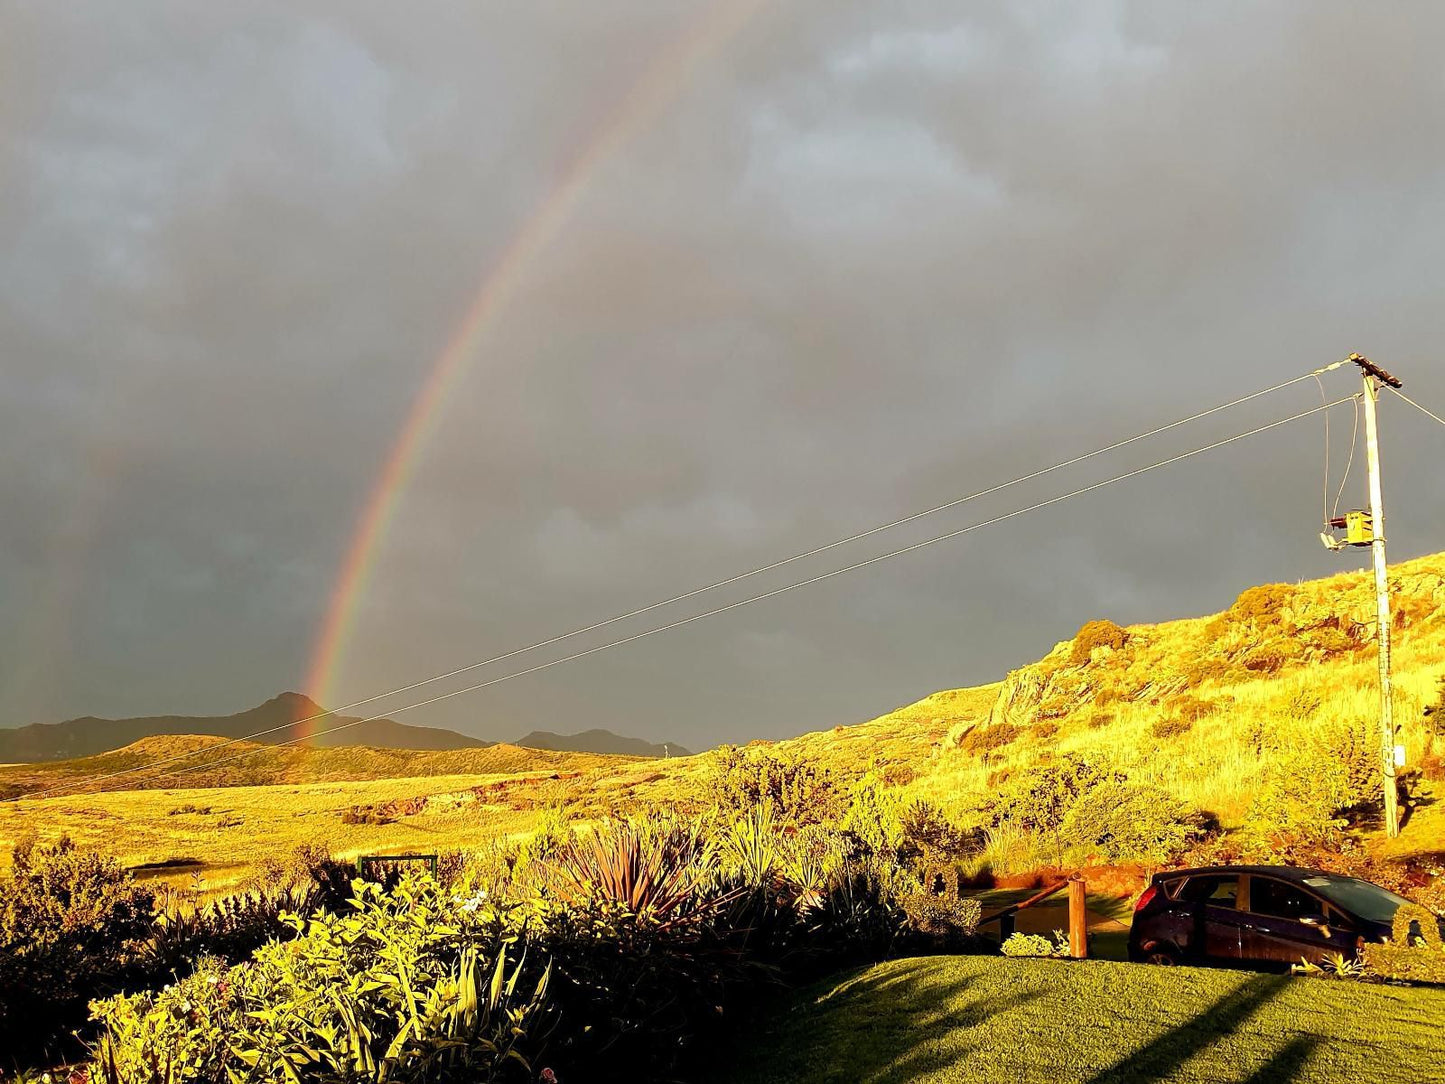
<point x="1349" y="463"/>
<point x="724" y="609"/>
<point x="1417" y="406"/>
<point x="331" y="713"/>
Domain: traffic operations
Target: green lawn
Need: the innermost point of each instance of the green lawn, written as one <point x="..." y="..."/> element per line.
<point x="999" y="1021"/>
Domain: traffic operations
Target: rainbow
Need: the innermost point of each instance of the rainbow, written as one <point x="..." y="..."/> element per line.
<point x="659" y="83"/>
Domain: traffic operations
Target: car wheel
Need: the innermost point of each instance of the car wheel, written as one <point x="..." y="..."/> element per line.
<point x="1162" y="956"/>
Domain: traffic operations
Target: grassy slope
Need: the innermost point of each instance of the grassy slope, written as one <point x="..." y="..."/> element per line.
<point x="1219" y="762"/>
<point x="992" y="1020"/>
<point x="225" y="834"/>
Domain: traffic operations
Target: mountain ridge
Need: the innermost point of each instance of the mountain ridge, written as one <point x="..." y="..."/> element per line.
<point x="289" y="717"/>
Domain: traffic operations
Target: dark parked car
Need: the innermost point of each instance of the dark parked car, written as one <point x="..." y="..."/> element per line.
<point x="1257" y="916"/>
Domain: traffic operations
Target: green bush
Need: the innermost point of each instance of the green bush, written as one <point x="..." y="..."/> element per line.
<point x="1036" y="944"/>
<point x="792" y="787"/>
<point x="1414" y="952"/>
<point x="72" y="923"/>
<point x="407" y="987"/>
<point x="1121" y="821"/>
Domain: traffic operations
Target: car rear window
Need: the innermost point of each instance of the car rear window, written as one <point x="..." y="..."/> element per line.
<point x="1218" y="890"/>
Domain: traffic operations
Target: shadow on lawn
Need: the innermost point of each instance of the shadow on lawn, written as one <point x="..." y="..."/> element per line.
<point x="1158" y="1059"/>
<point x="900" y="1011"/>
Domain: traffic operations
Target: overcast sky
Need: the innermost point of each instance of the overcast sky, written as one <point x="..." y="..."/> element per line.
<point x="854" y="260"/>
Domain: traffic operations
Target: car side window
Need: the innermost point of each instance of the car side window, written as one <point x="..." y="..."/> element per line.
<point x="1215" y="890"/>
<point x="1280" y="900"/>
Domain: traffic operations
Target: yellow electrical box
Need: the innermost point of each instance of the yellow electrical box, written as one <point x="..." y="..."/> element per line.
<point x="1359" y="529"/>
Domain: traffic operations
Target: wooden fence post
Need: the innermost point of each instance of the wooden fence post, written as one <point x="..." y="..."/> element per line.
<point x="1078" y="918"/>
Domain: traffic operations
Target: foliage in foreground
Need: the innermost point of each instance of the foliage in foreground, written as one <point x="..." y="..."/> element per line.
<point x="1414" y="952"/>
<point x="71" y="923"/>
<point x="620" y="947"/>
<point x="406" y="987"/>
<point x="75" y="926"/>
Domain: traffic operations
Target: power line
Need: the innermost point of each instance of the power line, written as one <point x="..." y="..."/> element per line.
<point x="1416" y="405"/>
<point x="736" y="605"/>
<point x="1313" y="375"/>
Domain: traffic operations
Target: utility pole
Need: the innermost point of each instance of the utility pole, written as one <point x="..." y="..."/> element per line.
<point x="1374" y="376"/>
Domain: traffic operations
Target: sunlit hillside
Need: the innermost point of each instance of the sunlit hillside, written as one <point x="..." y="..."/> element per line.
<point x="1278" y="692"/>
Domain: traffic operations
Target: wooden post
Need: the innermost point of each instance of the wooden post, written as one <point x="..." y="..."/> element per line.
<point x="1078" y="918"/>
<point x="1372" y="373"/>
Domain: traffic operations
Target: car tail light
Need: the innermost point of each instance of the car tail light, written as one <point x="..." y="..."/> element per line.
<point x="1147" y="898"/>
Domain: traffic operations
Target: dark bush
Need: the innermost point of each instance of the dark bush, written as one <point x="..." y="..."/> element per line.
<point x="985" y="739"/>
<point x="1264" y="603"/>
<point x="72" y="926"/>
<point x="1096" y="634"/>
<point x="1171" y="726"/>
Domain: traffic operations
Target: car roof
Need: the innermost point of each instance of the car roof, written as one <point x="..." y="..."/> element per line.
<point x="1284" y="873"/>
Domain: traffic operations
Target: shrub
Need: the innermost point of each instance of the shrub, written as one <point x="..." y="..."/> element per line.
<point x="985" y="739"/>
<point x="1096" y="634"/>
<point x="1039" y="801"/>
<point x="1122" y="821"/>
<point x="1264" y="603"/>
<point x="1036" y="944"/>
<point x="1170" y="726"/>
<point x="72" y="924"/>
<point x="1414" y="952"/>
<point x="1311" y="791"/>
<point x="927" y="836"/>
<point x="792" y="787"/>
<point x="404" y="988"/>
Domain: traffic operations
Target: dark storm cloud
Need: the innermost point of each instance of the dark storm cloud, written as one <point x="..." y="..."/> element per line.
<point x="863" y="259"/>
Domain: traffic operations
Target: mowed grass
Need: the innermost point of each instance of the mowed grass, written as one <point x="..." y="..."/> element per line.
<point x="992" y="1020"/>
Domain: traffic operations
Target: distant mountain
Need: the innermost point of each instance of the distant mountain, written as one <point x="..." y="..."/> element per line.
<point x="600" y="741"/>
<point x="282" y="715"/>
<point x="204" y="761"/>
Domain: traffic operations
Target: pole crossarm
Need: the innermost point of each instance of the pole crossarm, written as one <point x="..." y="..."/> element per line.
<point x="1371" y="369"/>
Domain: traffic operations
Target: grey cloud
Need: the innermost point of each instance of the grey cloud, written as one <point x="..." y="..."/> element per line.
<point x="864" y="258"/>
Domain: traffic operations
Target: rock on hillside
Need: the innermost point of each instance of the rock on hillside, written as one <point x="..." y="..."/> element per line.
<point x="1270" y="630"/>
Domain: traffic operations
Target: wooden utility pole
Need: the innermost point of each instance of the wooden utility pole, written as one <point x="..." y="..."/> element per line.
<point x="1374" y="376"/>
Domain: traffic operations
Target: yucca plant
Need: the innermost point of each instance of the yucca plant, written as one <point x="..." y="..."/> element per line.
<point x="655" y="872"/>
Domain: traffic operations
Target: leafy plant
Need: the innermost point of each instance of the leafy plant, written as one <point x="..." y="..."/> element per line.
<point x="1036" y="944"/>
<point x="404" y="988"/>
<point x="1336" y="964"/>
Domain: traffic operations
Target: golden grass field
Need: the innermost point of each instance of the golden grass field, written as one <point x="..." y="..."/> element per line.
<point x="460" y="800"/>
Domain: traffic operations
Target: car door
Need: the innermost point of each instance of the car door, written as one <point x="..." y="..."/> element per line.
<point x="1212" y="900"/>
<point x="1285" y="923"/>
